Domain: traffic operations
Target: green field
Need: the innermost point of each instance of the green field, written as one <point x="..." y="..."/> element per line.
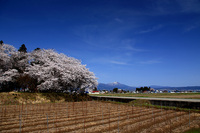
<point x="158" y="95"/>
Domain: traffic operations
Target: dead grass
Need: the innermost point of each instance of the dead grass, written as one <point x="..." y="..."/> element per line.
<point x="10" y="98"/>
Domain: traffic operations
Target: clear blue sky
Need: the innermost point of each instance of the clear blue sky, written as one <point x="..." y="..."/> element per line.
<point x="135" y="42"/>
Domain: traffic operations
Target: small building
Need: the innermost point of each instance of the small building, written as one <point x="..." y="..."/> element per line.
<point x="119" y="90"/>
<point x="94" y="92"/>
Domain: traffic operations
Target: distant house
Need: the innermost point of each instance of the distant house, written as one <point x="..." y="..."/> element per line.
<point x="165" y="91"/>
<point x="146" y="92"/>
<point x="94" y="92"/>
<point x="152" y="90"/>
<point x="119" y="90"/>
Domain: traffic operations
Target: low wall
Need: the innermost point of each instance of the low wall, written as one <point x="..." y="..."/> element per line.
<point x="181" y="103"/>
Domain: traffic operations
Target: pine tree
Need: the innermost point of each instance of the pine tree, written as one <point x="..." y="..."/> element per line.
<point x="1" y="42"/>
<point x="23" y="48"/>
<point x="37" y="49"/>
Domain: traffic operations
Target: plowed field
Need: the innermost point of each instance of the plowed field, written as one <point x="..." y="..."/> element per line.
<point x="94" y="117"/>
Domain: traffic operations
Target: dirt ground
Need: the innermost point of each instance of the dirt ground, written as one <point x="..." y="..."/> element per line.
<point x="94" y="117"/>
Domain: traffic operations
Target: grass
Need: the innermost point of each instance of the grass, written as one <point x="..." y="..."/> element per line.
<point x="158" y="95"/>
<point x="31" y="98"/>
<point x="8" y="98"/>
<point x="196" y="130"/>
<point x="146" y="103"/>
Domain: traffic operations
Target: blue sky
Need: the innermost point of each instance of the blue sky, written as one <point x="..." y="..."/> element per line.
<point x="135" y="42"/>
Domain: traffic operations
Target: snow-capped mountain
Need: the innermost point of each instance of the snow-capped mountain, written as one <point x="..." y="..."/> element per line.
<point x="114" y="83"/>
<point x="111" y="86"/>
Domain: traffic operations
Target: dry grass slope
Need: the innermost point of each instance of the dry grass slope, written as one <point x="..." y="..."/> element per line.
<point x="10" y="98"/>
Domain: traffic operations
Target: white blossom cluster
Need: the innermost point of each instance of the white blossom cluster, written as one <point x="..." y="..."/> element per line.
<point x="7" y="69"/>
<point x="52" y="70"/>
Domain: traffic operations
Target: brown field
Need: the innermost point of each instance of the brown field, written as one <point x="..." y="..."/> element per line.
<point x="94" y="117"/>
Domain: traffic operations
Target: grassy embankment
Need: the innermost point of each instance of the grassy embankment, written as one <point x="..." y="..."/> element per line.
<point x="37" y="98"/>
<point x="193" y="130"/>
<point x="140" y="102"/>
<point x="156" y="95"/>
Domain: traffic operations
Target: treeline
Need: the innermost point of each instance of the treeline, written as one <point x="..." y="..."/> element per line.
<point x="143" y="89"/>
<point x="42" y="70"/>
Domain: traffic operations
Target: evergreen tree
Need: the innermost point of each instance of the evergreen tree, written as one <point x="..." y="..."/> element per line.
<point x="142" y="89"/>
<point x="23" y="48"/>
<point x="1" y="42"/>
<point x="37" y="49"/>
<point x="115" y="90"/>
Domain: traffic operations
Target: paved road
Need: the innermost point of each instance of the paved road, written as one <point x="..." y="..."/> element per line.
<point x="150" y="98"/>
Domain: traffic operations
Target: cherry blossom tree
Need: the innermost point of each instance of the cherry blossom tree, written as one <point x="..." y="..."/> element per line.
<point x="44" y="69"/>
<point x="56" y="71"/>
<point x="8" y="74"/>
<point x="7" y="71"/>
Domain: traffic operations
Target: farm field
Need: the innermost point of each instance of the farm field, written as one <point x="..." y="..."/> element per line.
<point x="94" y="117"/>
<point x="156" y="95"/>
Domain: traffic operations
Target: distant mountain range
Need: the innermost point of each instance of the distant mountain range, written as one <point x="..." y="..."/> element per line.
<point x="111" y="86"/>
<point x="186" y="88"/>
